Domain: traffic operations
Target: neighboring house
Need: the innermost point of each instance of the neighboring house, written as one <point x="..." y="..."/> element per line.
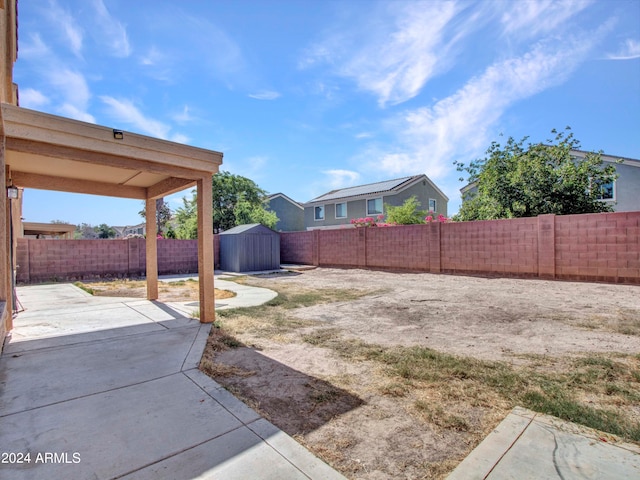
<point x="290" y="213"/>
<point x="338" y="207"/>
<point x="131" y="230"/>
<point x="623" y="193"/>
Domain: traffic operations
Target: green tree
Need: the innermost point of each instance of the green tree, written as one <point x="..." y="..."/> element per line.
<point x="246" y="212"/>
<point x="85" y="231"/>
<point x="105" y="231"/>
<point x="407" y="213"/>
<point x="237" y="200"/>
<point x="186" y="219"/>
<point x="163" y="215"/>
<point x="515" y="180"/>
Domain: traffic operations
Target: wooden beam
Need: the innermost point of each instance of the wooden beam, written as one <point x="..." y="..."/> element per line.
<point x="205" y="250"/>
<point x="152" y="250"/>
<point x="99" y="158"/>
<point x="168" y="186"/>
<point x="62" y="184"/>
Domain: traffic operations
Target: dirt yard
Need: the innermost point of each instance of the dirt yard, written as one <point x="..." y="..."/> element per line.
<point x="399" y="375"/>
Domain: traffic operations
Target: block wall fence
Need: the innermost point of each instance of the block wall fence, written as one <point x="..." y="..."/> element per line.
<point x="594" y="247"/>
<point x="39" y="260"/>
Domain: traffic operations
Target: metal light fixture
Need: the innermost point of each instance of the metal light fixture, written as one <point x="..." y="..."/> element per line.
<point x="118" y="134"/>
<point x="12" y="192"/>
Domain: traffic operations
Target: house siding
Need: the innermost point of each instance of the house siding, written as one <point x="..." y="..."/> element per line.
<point x="627" y="189"/>
<point x="290" y="216"/>
<point x="358" y="208"/>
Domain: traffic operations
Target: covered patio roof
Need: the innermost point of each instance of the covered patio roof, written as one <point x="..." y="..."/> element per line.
<point x="53" y="229"/>
<point x="48" y="152"/>
<point x="55" y="153"/>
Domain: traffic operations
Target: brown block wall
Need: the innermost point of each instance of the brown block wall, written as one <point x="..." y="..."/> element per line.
<point x="590" y="247"/>
<point x="602" y="247"/>
<point x="404" y="247"/>
<point x="340" y="247"/>
<point x="593" y="247"/>
<point x="177" y="256"/>
<point x="48" y="260"/>
<point x="297" y="247"/>
<point x="492" y="246"/>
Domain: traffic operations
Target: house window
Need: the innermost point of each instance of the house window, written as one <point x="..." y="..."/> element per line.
<point x="318" y="212"/>
<point x="432" y="205"/>
<point x="341" y="210"/>
<point x="605" y="191"/>
<point x="374" y="206"/>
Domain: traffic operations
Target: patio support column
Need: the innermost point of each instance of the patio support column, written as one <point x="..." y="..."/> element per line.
<point x="152" y="250"/>
<point x="205" y="249"/>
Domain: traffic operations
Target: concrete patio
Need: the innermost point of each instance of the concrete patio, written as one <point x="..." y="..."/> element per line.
<point x="98" y="387"/>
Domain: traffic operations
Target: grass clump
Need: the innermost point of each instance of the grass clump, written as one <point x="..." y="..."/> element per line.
<point x="84" y="287"/>
<point x="473" y="382"/>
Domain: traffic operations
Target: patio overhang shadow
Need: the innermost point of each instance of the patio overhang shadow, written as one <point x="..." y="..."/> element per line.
<point x="48" y="152"/>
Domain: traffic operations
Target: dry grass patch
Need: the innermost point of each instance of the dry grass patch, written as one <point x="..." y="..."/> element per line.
<point x="176" y="291"/>
<point x="623" y="320"/>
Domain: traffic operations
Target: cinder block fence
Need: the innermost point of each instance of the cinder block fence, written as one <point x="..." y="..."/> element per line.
<point x="40" y="260"/>
<point x="595" y="247"/>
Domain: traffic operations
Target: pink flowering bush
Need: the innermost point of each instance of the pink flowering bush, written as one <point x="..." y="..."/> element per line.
<point x="378" y="221"/>
<point x="370" y="222"/>
<point x="440" y="218"/>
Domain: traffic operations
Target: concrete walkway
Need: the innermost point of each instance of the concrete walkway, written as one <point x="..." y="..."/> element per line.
<point x="529" y="445"/>
<point x="98" y="387"/>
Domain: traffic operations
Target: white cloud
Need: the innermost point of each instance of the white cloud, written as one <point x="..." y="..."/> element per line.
<point x="31" y="98"/>
<point x="33" y="48"/>
<point x="265" y="95"/>
<point x="74" y="92"/>
<point x="113" y="33"/>
<point x="184" y="116"/>
<point x="179" y="138"/>
<point x="341" y="178"/>
<point x="362" y="135"/>
<point x="72" y="111"/>
<point x="629" y="50"/>
<point x="153" y="57"/>
<point x="126" y="112"/>
<point x="395" y="51"/>
<point x="429" y="139"/>
<point x="530" y="18"/>
<point x="70" y="29"/>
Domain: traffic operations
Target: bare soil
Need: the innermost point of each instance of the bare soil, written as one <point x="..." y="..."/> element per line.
<point x="309" y="378"/>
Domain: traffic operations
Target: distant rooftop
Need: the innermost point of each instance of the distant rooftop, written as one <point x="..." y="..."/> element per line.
<point x="368" y="189"/>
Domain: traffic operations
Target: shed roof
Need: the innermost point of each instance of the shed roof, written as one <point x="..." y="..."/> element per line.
<point x="248" y="228"/>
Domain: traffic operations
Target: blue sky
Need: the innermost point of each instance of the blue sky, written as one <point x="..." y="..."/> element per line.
<point x="307" y="96"/>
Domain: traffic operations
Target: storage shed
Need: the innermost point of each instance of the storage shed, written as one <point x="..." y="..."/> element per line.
<point x="249" y="248"/>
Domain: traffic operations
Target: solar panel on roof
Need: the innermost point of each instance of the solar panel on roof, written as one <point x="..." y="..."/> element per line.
<point x="362" y="189"/>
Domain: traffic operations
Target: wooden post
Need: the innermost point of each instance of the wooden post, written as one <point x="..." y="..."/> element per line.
<point x="205" y="250"/>
<point x="152" y="250"/>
